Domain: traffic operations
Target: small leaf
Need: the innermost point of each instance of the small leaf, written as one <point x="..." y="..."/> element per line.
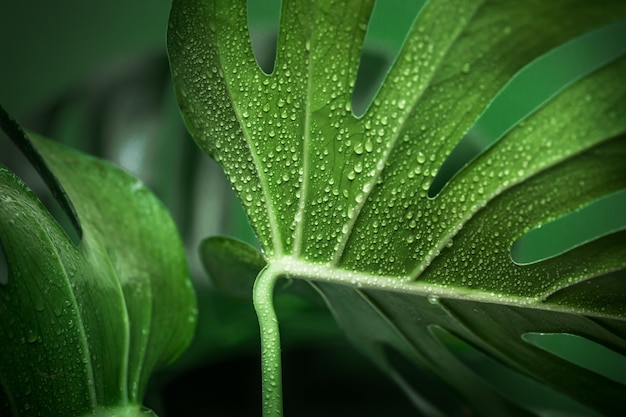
<point x="233" y="265"/>
<point x="83" y="328"/>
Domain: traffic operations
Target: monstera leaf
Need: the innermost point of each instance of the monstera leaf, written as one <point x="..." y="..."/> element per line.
<point x="345" y="202"/>
<point x="83" y="327"/>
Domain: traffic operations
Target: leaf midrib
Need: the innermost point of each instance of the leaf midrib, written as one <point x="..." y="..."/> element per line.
<point x="296" y="268"/>
<point x="299" y="217"/>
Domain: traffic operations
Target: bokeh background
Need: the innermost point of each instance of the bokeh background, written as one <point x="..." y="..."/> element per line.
<point x="94" y="75"/>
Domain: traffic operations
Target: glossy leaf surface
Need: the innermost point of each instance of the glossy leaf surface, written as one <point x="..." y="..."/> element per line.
<point x="82" y="328"/>
<point x="342" y="201"/>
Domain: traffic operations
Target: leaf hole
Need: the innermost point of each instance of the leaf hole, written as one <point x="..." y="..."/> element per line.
<point x="597" y="219"/>
<point x="388" y="27"/>
<point x="513" y="385"/>
<point x="530" y="89"/>
<point x="263" y="22"/>
<point x="581" y="352"/>
<point x="14" y="159"/>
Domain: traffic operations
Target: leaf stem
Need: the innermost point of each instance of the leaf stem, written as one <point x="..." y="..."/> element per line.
<point x="263" y="293"/>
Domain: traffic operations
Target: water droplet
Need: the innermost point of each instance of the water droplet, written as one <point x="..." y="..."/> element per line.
<point x="31" y="336"/>
<point x="433" y="299"/>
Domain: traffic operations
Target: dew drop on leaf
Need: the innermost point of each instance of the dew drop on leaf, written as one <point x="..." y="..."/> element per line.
<point x="31" y="336"/>
<point x="433" y="299"/>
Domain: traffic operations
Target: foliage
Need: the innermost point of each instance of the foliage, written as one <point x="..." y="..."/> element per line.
<point x="455" y="280"/>
<point x="345" y="201"/>
<point x="85" y="324"/>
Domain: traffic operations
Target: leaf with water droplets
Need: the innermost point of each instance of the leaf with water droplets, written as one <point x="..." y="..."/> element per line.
<point x="83" y="326"/>
<point x="348" y="203"/>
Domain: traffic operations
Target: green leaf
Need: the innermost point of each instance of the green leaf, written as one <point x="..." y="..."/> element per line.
<point x="232" y="264"/>
<point x="342" y="201"/>
<point x="82" y="328"/>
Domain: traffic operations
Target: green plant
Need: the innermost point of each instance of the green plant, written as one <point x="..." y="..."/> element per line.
<point x="85" y="324"/>
<point x="342" y="201"/>
<point x="411" y="255"/>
